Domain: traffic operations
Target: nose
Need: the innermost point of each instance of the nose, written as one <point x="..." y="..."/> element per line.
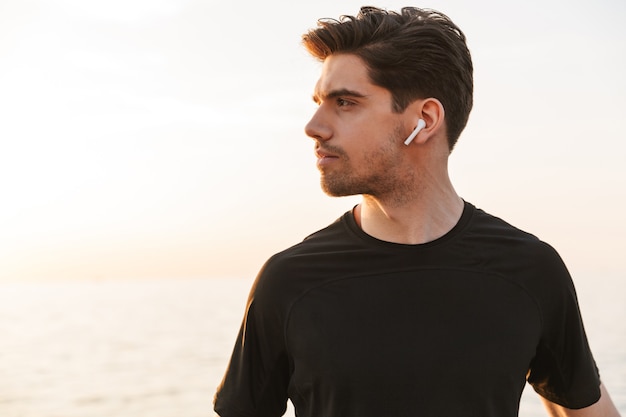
<point x="318" y="128"/>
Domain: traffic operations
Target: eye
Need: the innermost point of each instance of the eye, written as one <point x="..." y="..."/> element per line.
<point x="341" y="102"/>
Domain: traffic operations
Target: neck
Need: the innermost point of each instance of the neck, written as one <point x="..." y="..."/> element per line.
<point x="425" y="215"/>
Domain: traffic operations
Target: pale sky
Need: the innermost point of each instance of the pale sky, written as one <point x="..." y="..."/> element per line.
<point x="143" y="138"/>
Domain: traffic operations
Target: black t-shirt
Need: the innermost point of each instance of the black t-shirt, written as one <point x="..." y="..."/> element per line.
<point x="344" y="325"/>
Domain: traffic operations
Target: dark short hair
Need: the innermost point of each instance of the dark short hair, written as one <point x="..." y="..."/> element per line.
<point x="417" y="53"/>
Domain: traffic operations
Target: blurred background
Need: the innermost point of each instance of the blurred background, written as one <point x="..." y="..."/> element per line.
<point x="165" y="138"/>
<point x="152" y="156"/>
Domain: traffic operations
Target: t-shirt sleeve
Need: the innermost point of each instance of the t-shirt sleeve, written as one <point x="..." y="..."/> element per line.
<point x="257" y="377"/>
<point x="563" y="370"/>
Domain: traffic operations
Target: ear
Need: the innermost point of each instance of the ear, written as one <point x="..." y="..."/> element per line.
<point x="431" y="111"/>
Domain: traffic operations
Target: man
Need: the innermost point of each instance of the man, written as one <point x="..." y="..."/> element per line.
<point x="415" y="303"/>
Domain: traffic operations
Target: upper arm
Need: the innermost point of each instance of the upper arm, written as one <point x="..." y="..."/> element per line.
<point x="257" y="378"/>
<point x="604" y="407"/>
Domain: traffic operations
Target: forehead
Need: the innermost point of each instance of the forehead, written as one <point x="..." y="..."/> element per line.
<point x="345" y="72"/>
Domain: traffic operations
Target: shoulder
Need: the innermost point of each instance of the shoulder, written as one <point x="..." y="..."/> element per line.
<point x="492" y="226"/>
<point x="292" y="271"/>
<point x="516" y="253"/>
<point x="322" y="242"/>
<point x="496" y="231"/>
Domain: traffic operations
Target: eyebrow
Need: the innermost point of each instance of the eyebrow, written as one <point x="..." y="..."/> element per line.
<point x="342" y="92"/>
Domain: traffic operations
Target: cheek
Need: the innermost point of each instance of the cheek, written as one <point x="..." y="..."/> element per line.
<point x="370" y="137"/>
<point x="386" y="138"/>
<point x="391" y="150"/>
<point x="386" y="154"/>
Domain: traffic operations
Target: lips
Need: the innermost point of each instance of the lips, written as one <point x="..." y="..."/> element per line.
<point x="320" y="153"/>
<point x="324" y="157"/>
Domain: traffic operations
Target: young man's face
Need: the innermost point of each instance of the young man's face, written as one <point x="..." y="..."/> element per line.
<point x="358" y="138"/>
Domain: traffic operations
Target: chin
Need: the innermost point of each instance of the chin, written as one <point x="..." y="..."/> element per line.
<point x="338" y="189"/>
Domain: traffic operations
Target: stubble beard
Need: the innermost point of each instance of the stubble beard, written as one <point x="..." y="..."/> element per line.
<point x="381" y="175"/>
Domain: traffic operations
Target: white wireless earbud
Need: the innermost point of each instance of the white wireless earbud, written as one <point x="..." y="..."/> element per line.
<point x="420" y="125"/>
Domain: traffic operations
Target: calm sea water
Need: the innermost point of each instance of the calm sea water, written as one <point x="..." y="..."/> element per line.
<point x="158" y="348"/>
